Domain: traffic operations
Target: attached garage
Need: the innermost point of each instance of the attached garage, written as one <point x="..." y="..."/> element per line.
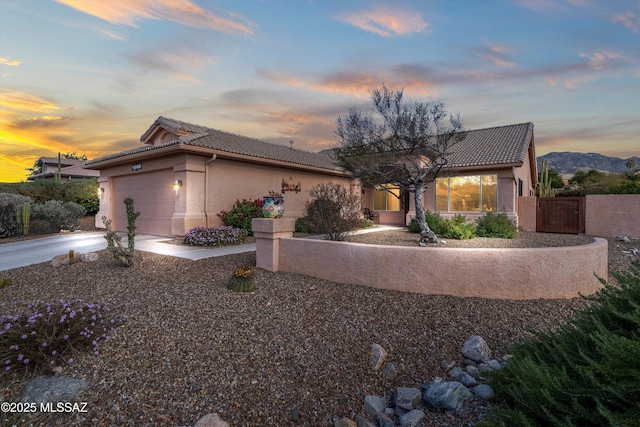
<point x="153" y="198"/>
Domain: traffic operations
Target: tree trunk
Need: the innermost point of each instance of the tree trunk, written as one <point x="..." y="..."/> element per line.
<point x="426" y="235"/>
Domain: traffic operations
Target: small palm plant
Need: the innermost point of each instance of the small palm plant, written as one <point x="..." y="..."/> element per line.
<point x="242" y="279"/>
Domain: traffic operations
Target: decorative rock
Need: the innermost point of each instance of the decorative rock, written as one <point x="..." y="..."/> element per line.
<point x="494" y="364"/>
<point x="407" y="398"/>
<point x="89" y="257"/>
<point x="372" y="405"/>
<point x="623" y="239"/>
<point x="378" y="356"/>
<point x="345" y="422"/>
<point x="389" y="371"/>
<point x="447" y="365"/>
<point x="59" y="260"/>
<point x="383" y="420"/>
<point x="446" y="395"/>
<point x="455" y="372"/>
<point x="211" y="420"/>
<point x="468" y="362"/>
<point x="44" y="389"/>
<point x="412" y="418"/>
<point x="295" y="414"/>
<point x="472" y="370"/>
<point x="476" y="349"/>
<point x="484" y="391"/>
<point x="422" y="245"/>
<point x="363" y="422"/>
<point x="466" y="379"/>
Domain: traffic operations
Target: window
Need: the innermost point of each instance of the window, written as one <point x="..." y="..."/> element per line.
<point x="386" y="198"/>
<point x="476" y="193"/>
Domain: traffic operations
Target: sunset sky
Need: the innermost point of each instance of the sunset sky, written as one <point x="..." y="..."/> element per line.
<point x="92" y="75"/>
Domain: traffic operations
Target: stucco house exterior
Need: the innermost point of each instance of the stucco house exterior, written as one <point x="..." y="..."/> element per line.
<point x="184" y="174"/>
<point x="488" y="171"/>
<point x="69" y="169"/>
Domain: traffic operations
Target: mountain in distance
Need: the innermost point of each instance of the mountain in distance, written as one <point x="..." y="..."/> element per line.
<point x="568" y="163"/>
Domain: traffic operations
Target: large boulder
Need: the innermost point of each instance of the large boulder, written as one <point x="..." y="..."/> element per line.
<point x="476" y="349"/>
<point x="445" y="394"/>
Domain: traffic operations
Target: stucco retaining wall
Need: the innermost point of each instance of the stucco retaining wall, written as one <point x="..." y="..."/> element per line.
<point x="507" y="273"/>
<point x="612" y="215"/>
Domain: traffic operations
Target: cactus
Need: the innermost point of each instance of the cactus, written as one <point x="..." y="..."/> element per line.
<point x="72" y="257"/>
<point x="544" y="184"/>
<point x="242" y="280"/>
<point x="23" y="217"/>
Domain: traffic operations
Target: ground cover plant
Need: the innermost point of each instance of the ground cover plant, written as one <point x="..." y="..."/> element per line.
<point x="46" y="334"/>
<point x="583" y="374"/>
<point x="241" y="214"/>
<point x="218" y="236"/>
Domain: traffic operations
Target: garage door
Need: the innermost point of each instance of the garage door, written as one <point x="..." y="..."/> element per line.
<point x="153" y="197"/>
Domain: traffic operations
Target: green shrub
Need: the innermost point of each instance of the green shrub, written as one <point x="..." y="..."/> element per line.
<point x="80" y="191"/>
<point x="241" y="214"/>
<point x="58" y="215"/>
<point x="627" y="187"/>
<point x="413" y="226"/>
<point x="496" y="225"/>
<point x="47" y="334"/>
<point x="303" y="226"/>
<point x="583" y="374"/>
<point x="436" y="223"/>
<point x="366" y="223"/>
<point x="4" y="282"/>
<point x="8" y="222"/>
<point x="456" y="227"/>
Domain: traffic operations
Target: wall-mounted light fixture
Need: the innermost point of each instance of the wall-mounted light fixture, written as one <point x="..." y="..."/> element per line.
<point x="136" y="167"/>
<point x="176" y="185"/>
<point x="100" y="192"/>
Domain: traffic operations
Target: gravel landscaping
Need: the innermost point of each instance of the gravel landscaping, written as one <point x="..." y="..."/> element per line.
<point x="189" y="346"/>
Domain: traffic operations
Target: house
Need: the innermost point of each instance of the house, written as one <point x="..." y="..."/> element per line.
<point x="184" y="174"/>
<point x="486" y="172"/>
<point x="69" y="169"/>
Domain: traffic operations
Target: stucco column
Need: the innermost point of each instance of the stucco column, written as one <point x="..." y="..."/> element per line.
<point x="104" y="195"/>
<point x="268" y="233"/>
<point x="189" y="199"/>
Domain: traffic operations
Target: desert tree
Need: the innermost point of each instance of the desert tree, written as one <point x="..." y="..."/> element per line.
<point x="400" y="142"/>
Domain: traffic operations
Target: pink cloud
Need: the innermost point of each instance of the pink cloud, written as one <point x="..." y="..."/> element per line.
<point x="628" y="19"/>
<point x="386" y="21"/>
<point x="129" y="12"/>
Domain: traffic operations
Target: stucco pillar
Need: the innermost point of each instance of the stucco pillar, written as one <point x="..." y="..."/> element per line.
<point x="189" y="198"/>
<point x="268" y="233"/>
<point x="104" y="196"/>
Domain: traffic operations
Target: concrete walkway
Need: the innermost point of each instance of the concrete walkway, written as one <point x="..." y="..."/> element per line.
<point x="34" y="251"/>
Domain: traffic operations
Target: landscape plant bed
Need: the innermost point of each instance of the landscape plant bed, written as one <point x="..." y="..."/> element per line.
<point x="189" y="346"/>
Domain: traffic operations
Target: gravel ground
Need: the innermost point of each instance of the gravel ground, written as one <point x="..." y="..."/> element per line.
<point x="189" y="346"/>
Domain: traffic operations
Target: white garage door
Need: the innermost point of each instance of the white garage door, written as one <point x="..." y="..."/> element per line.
<point x="153" y="197"/>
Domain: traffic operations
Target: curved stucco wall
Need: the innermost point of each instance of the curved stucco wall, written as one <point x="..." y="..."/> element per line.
<point x="522" y="273"/>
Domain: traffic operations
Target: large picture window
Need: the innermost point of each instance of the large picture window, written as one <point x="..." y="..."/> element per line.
<point x="477" y="193"/>
<point x="386" y="198"/>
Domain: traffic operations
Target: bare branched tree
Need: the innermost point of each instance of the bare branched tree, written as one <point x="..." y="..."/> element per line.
<point x="406" y="143"/>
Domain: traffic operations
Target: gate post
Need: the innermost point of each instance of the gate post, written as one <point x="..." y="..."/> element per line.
<point x="268" y="233"/>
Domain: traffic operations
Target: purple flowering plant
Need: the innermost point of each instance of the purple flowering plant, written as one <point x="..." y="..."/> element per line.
<point x="218" y="236"/>
<point x="45" y="334"/>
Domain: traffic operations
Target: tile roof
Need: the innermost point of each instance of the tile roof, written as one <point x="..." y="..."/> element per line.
<point x="75" y="171"/>
<point x="493" y="146"/>
<point x="202" y="136"/>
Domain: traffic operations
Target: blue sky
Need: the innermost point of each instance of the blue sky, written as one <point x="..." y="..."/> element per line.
<point x="91" y="76"/>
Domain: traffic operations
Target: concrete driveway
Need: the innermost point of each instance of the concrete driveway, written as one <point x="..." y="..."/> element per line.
<point x="20" y="254"/>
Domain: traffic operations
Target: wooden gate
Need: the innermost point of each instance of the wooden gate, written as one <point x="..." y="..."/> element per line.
<point x="560" y="215"/>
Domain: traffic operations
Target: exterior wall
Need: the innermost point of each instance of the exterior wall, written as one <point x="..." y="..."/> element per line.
<point x="613" y="215"/>
<point x="522" y="273"/>
<point x="230" y="180"/>
<point x="527" y="213"/>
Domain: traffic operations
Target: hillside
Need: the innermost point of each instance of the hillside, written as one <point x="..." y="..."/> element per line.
<point x="570" y="163"/>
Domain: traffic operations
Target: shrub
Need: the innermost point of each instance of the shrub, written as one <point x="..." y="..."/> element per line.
<point x="80" y="191"/>
<point x="453" y="228"/>
<point x="8" y="222"/>
<point x="366" y="223"/>
<point x="242" y="280"/>
<point x="4" y="282"/>
<point x="220" y="236"/>
<point x="58" y="215"/>
<point x="583" y="374"/>
<point x="627" y="187"/>
<point x="303" y="226"/>
<point x="332" y="210"/>
<point x="241" y="214"/>
<point x="52" y="333"/>
<point x="496" y="225"/>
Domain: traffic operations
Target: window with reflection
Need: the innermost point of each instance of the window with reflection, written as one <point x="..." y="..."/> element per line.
<point x="475" y="193"/>
<point x="386" y="198"/>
